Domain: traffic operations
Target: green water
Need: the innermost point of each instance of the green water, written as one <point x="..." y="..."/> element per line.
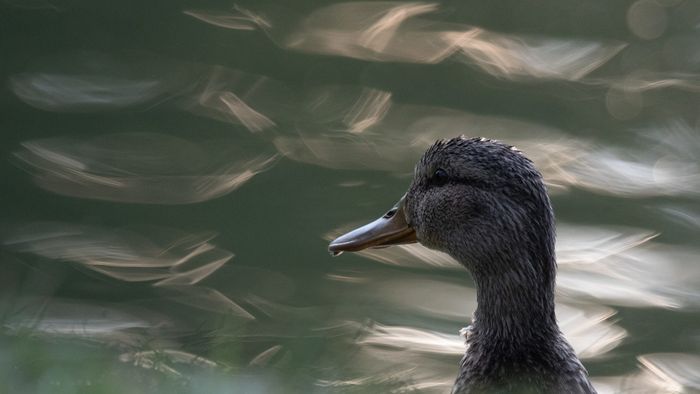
<point x="172" y="173"/>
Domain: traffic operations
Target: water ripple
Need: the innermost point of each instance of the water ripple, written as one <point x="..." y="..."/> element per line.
<point x="141" y="168"/>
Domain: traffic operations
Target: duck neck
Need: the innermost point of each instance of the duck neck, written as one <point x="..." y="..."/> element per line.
<point x="516" y="306"/>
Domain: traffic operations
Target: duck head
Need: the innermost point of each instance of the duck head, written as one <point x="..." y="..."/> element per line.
<point x="485" y="204"/>
<point x="481" y="201"/>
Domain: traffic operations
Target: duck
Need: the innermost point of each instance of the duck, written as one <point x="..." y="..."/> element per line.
<point x="484" y="203"/>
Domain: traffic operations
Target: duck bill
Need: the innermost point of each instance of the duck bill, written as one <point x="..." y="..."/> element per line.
<point x="390" y="229"/>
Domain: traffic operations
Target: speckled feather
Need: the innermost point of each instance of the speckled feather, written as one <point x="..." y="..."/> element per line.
<point x="492" y="214"/>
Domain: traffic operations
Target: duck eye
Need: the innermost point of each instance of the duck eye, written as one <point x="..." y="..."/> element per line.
<point x="440" y="177"/>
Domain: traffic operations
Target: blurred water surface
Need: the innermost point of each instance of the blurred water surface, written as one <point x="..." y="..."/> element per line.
<point x="172" y="172"/>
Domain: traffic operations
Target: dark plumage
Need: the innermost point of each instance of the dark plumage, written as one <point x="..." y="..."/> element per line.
<point x="485" y="204"/>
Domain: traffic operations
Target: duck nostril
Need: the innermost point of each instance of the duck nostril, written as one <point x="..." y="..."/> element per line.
<point x="390" y="214"/>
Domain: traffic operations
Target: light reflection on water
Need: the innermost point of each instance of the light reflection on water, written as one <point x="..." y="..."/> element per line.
<point x="141" y="168"/>
<point x="287" y="125"/>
